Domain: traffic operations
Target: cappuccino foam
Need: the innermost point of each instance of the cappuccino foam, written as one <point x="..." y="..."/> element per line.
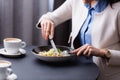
<point x="4" y="64"/>
<point x="12" y="40"/>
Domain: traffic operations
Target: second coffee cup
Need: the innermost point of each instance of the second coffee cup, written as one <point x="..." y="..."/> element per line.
<point x="5" y="69"/>
<point x="12" y="45"/>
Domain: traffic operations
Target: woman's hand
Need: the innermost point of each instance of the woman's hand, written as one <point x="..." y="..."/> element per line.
<point x="88" y="50"/>
<point x="47" y="28"/>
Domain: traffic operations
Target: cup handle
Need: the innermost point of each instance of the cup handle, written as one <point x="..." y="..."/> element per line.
<point x="23" y="44"/>
<point x="9" y="70"/>
<point x="11" y="75"/>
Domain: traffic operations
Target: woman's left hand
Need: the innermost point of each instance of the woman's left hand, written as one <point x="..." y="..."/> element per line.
<point x="89" y="50"/>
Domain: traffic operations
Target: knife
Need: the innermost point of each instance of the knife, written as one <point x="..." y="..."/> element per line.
<point x="53" y="44"/>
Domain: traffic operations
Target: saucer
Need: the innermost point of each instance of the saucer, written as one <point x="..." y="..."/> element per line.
<point x="20" y="52"/>
<point x="12" y="77"/>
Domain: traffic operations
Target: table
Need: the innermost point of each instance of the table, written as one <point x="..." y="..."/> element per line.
<point x="28" y="67"/>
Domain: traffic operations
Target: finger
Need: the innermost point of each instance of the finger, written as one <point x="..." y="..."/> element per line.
<point x="86" y="51"/>
<point x="42" y="31"/>
<point x="89" y="52"/>
<point x="44" y="26"/>
<point x="82" y="49"/>
<point x="48" y="30"/>
<point x="75" y="50"/>
<point x="52" y="30"/>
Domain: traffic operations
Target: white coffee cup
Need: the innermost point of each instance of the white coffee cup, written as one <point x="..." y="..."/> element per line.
<point x="12" y="45"/>
<point x="5" y="69"/>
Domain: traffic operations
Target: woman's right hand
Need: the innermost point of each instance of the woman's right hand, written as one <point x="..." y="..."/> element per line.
<point x="47" y="28"/>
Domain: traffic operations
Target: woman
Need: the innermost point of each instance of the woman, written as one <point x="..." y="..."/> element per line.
<point x="95" y="31"/>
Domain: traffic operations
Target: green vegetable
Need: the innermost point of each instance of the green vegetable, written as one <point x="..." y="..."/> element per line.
<point x="59" y="50"/>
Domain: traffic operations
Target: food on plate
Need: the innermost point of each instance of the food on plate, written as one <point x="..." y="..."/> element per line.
<point x="51" y="53"/>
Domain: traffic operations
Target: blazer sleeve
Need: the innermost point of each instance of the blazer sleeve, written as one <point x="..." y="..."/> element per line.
<point x="61" y="14"/>
<point x="115" y="54"/>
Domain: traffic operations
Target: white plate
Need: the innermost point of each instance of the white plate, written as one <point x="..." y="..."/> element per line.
<point x="4" y="53"/>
